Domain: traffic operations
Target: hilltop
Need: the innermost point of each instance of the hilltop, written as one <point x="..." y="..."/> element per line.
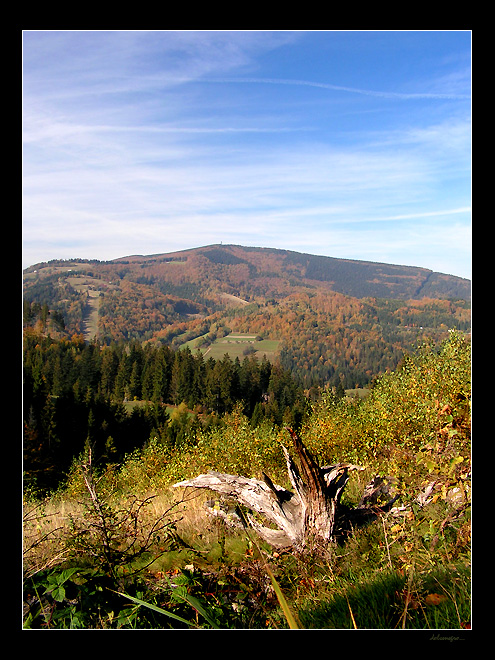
<point x="326" y="319"/>
<point x="250" y="271"/>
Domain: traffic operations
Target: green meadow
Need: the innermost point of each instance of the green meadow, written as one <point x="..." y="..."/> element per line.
<point x="241" y="344"/>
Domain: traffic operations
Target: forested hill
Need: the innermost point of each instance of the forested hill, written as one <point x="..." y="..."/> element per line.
<point x="247" y="272"/>
<point x="268" y="270"/>
<point x="328" y="320"/>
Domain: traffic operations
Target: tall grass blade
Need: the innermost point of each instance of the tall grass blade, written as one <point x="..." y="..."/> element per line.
<point x="155" y="608"/>
<point x="290" y="618"/>
<point x="194" y="602"/>
<point x="352" y="615"/>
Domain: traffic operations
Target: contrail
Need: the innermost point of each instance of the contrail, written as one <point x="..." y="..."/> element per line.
<point x="338" y="88"/>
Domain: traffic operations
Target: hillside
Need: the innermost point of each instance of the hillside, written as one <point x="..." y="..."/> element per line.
<point x="173" y="383"/>
<point x="327" y="319"/>
<point x="266" y="271"/>
<point x="248" y="272"/>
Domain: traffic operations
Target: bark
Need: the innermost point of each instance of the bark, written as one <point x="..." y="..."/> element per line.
<point x="308" y="514"/>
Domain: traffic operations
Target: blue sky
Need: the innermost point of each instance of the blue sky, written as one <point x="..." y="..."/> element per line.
<point x="346" y="144"/>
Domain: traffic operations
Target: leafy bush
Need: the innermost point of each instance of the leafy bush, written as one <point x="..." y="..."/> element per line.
<point x="415" y="424"/>
<point x="235" y="447"/>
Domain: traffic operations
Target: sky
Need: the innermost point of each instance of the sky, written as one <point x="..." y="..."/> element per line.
<point x="349" y="144"/>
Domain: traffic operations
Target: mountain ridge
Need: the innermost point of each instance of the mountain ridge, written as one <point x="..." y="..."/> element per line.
<point x="384" y="280"/>
<point x="281" y="250"/>
<point x="357" y="278"/>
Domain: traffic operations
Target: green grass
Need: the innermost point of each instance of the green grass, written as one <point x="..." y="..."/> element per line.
<point x="359" y="392"/>
<point x="236" y="344"/>
<point x="379" y="602"/>
<point x="192" y="343"/>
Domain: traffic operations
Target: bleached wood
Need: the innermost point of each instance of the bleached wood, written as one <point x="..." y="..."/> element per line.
<point x="302" y="516"/>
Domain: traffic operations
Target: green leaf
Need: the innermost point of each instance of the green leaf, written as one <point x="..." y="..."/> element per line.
<point x="58" y="593"/>
<point x="180" y="592"/>
<point x="430" y="465"/>
<point x="455" y="461"/>
<point x="56" y="582"/>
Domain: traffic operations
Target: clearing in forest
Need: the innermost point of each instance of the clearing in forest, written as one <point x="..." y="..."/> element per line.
<point x="239" y="345"/>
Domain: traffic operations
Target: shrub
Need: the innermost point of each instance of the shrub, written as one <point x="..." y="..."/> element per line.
<point x="414" y="425"/>
<point x="235" y="447"/>
<point x="409" y="570"/>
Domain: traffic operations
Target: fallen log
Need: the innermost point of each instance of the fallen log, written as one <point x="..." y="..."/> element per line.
<point x="309" y="514"/>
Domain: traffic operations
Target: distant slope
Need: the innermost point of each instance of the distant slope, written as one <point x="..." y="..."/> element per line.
<point x="262" y="267"/>
<point x="328" y="320"/>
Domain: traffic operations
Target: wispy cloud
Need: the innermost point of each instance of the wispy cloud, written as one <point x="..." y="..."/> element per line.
<point x="404" y="96"/>
<point x="160" y="194"/>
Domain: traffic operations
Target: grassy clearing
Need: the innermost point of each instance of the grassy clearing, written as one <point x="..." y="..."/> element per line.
<point x="237" y="345"/>
<point x="192" y="344"/>
<point x="91" y="315"/>
<point x="171" y="409"/>
<point x="357" y="392"/>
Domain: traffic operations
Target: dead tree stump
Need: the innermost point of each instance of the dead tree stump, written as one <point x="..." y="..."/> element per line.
<point x="305" y="516"/>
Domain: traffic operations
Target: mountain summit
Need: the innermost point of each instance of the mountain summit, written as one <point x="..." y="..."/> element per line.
<point x="268" y="268"/>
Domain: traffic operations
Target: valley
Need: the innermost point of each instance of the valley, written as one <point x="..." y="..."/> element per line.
<point x="328" y="320"/>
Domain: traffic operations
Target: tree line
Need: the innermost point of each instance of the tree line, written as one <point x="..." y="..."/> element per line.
<point x="116" y="397"/>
